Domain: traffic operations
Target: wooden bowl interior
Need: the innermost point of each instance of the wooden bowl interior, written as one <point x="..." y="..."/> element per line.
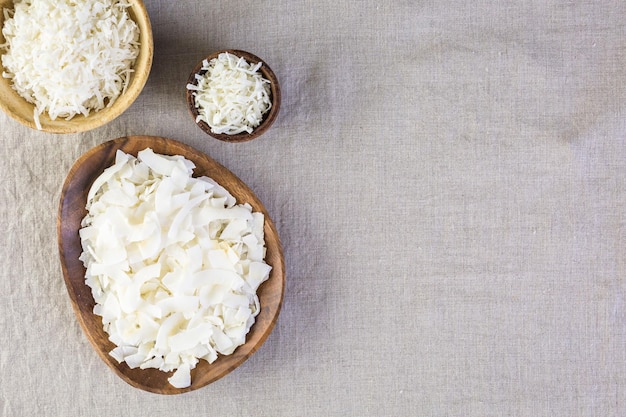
<point x="72" y="210"/>
<point x="268" y="119"/>
<point x="22" y="111"/>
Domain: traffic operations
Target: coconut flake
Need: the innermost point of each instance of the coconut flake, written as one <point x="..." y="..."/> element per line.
<point x="172" y="262"/>
<point x="182" y="377"/>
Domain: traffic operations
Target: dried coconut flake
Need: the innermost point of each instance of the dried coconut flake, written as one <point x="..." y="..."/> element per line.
<point x="173" y="263"/>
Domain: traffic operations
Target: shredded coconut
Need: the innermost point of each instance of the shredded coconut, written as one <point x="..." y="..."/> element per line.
<point x="69" y="57"/>
<point x="231" y="96"/>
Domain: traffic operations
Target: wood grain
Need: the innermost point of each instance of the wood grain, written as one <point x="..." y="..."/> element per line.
<point x="268" y="119"/>
<point x="71" y="212"/>
<point x="22" y="111"/>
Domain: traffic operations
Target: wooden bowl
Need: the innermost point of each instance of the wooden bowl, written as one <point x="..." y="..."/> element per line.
<point x="269" y="117"/>
<point x="72" y="210"/>
<point x="22" y="111"/>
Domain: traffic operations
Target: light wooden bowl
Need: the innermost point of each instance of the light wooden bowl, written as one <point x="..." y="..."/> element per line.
<point x="22" y="111"/>
<point x="269" y="117"/>
<point x="72" y="209"/>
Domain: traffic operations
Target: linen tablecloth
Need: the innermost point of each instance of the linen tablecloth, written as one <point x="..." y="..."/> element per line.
<point x="448" y="179"/>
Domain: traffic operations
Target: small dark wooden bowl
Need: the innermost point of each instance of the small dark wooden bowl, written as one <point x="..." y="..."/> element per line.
<point x="269" y="117"/>
<point x="72" y="209"/>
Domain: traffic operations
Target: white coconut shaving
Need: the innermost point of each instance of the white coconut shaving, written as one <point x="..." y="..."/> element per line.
<point x="69" y="57"/>
<point x="173" y="263"/>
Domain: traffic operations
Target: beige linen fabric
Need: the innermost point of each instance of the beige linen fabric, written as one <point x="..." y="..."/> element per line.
<point x="448" y="179"/>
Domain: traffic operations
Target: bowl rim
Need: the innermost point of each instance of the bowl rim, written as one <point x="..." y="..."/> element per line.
<point x="268" y="119"/>
<point x="10" y="100"/>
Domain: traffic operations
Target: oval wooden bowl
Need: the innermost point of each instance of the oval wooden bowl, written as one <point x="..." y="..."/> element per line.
<point x="72" y="210"/>
<point x="22" y="111"/>
<point x="268" y="119"/>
